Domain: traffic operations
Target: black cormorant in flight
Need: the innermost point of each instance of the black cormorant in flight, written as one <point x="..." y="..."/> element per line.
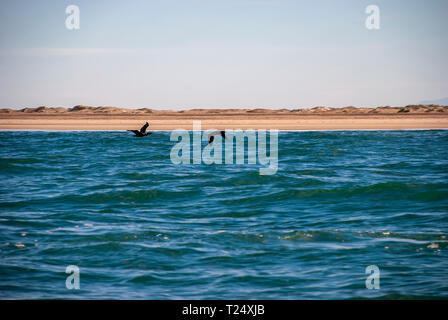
<point x="142" y="132"/>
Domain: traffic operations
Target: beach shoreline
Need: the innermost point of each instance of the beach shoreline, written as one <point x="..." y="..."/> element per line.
<point x="221" y="122"/>
<point x="320" y="118"/>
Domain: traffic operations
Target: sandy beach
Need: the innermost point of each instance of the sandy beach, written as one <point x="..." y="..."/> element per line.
<point x="319" y="118"/>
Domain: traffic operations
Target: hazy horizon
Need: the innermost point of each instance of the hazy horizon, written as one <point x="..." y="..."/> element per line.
<point x="216" y="54"/>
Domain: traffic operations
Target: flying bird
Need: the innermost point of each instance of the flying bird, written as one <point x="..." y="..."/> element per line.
<point x="142" y="132"/>
<point x="211" y="136"/>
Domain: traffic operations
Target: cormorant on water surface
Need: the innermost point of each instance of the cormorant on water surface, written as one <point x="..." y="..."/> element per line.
<point x="212" y="135"/>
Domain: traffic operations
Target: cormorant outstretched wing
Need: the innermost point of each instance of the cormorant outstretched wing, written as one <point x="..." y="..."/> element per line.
<point x="143" y="129"/>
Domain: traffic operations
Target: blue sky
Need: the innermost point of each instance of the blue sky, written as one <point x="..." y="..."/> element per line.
<point x="218" y="54"/>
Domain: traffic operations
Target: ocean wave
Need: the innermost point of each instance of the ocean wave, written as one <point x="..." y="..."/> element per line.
<point x="139" y="226"/>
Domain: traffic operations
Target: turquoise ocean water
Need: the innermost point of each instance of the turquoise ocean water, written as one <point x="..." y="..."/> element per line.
<point x="140" y="227"/>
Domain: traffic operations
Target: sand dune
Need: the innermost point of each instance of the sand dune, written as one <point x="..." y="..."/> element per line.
<point x="317" y="118"/>
<point x="316" y="110"/>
